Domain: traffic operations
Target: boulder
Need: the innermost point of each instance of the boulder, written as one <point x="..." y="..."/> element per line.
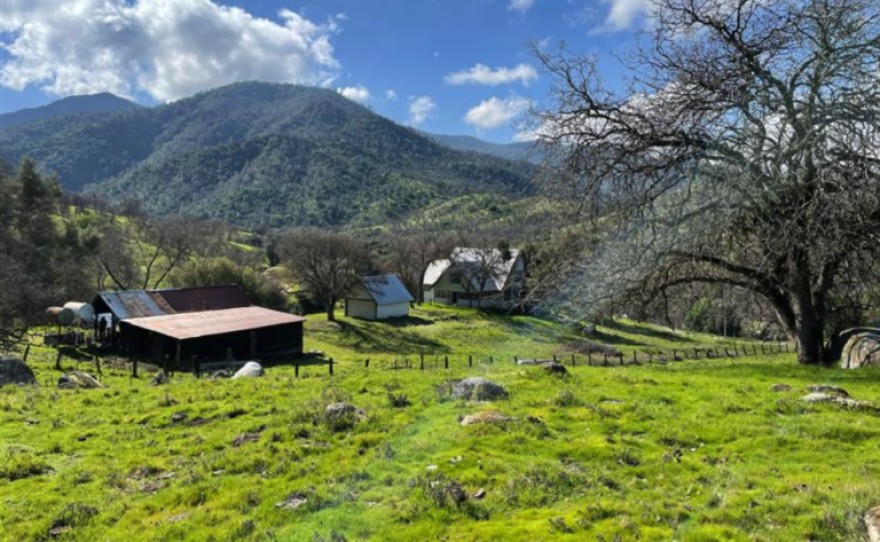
<point x="862" y="349"/>
<point x="845" y="402"/>
<point x="872" y="522"/>
<point x="477" y="388"/>
<point x="159" y="380"/>
<point x="486" y="416"/>
<point x="222" y="373"/>
<point x="250" y="369"/>
<point x="15" y="371"/>
<point x="340" y="416"/>
<point x="827" y="388"/>
<point x="78" y="379"/>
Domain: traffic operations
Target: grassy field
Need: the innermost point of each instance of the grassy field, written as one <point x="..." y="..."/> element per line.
<point x="695" y="450"/>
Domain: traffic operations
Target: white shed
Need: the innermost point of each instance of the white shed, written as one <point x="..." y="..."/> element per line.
<point x="377" y="298"/>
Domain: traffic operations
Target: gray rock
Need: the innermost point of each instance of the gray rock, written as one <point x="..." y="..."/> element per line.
<point x="861" y="350"/>
<point x="780" y="387"/>
<point x="477" y="388"/>
<point x="159" y="380"/>
<point x="528" y="362"/>
<point x="845" y="402"/>
<point x="222" y="373"/>
<point x="78" y="379"/>
<point x="340" y="416"/>
<point x="15" y="371"/>
<point x="484" y="417"/>
<point x="249" y="370"/>
<point x="827" y="388"/>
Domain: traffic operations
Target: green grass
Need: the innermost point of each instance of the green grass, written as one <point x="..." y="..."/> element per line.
<point x="695" y="451"/>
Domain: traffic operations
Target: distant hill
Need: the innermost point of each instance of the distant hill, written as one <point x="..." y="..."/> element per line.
<point x="261" y="155"/>
<point x="72" y="105"/>
<point x="510" y="151"/>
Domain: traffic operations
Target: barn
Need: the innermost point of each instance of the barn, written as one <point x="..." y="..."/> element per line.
<point x="378" y="298"/>
<point x="204" y="324"/>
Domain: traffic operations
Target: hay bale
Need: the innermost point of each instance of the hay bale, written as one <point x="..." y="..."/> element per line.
<point x="250" y="369"/>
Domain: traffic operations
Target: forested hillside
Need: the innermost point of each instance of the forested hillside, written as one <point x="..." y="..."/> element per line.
<point x="260" y="155"/>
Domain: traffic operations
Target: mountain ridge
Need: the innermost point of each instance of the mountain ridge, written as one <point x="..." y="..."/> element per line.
<point x="260" y="154"/>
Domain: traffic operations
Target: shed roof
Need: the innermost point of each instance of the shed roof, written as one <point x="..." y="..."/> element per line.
<point x="192" y="325"/>
<point x="386" y="289"/>
<point x="142" y="303"/>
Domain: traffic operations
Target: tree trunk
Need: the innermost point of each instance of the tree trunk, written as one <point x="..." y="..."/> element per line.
<point x="809" y="337"/>
<point x="331" y="314"/>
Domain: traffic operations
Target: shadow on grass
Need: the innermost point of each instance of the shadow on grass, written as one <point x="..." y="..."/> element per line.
<point x="647" y="331"/>
<point x="378" y="337"/>
<point x="407" y="321"/>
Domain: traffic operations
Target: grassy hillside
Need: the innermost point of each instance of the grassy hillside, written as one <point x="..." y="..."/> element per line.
<point x="697" y="450"/>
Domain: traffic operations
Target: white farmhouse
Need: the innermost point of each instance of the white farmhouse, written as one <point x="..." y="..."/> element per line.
<point x="377" y="298"/>
<point x="477" y="277"/>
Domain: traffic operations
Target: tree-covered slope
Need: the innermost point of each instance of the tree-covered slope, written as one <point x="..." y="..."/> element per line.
<point x="261" y="155"/>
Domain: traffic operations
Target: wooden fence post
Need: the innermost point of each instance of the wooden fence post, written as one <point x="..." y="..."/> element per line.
<point x="635" y="359"/>
<point x="134" y="368"/>
<point x="58" y="360"/>
<point x="98" y="365"/>
<point x="27" y="350"/>
<point x="620" y="354"/>
<point x="331" y="366"/>
<point x="573" y="362"/>
<point x="445" y="362"/>
<point x="605" y="354"/>
<point x="589" y="357"/>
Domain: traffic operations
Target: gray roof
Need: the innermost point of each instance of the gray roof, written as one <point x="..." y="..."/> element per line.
<point x="386" y="289"/>
<point x="464" y="258"/>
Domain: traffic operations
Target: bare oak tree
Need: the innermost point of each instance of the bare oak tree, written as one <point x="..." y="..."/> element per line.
<point x="409" y="254"/>
<point x="744" y="151"/>
<point x="327" y="265"/>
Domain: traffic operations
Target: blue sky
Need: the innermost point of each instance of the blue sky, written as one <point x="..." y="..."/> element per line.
<point x="447" y="66"/>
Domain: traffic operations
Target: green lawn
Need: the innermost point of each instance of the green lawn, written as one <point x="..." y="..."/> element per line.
<point x="695" y="450"/>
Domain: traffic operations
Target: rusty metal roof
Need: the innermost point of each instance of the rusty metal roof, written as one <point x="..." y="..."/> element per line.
<point x="133" y="304"/>
<point x="140" y="303"/>
<point x="208" y="298"/>
<point x="192" y="325"/>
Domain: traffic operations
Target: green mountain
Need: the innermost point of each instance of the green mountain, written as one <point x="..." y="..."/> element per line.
<point x="72" y="105"/>
<point x="522" y="150"/>
<point x="261" y="155"/>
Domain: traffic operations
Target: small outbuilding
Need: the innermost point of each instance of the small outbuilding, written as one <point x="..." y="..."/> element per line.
<point x="378" y="298"/>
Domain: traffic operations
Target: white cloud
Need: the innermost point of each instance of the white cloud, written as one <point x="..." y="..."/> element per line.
<point x="624" y="13"/>
<point x="357" y="93"/>
<point x="521" y="6"/>
<point x="164" y="49"/>
<point x="496" y="112"/>
<point x="484" y="75"/>
<point x="391" y="95"/>
<point x="420" y="108"/>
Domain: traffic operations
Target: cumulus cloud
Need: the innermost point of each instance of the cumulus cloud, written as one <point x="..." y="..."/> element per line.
<point x="391" y="95"/>
<point x="496" y="112"/>
<point x="521" y="6"/>
<point x="357" y="93"/>
<point x="420" y="108"/>
<point x="164" y="49"/>
<point x="623" y="13"/>
<point x="484" y="75"/>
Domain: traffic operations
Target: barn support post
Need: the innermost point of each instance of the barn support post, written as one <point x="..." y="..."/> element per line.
<point x="296" y="368"/>
<point x="177" y="350"/>
<point x="134" y="368"/>
<point x="253" y="338"/>
<point x="331" y="366"/>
